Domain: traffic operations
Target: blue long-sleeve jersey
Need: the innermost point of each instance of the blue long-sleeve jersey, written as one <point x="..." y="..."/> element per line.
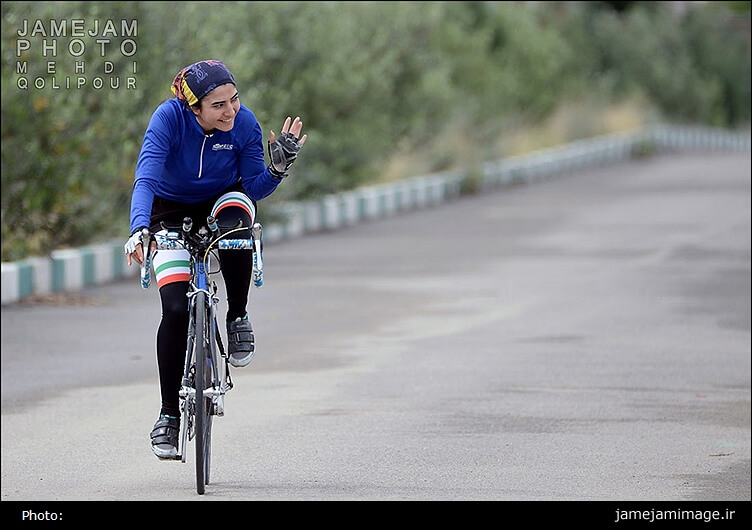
<point x="180" y="162"/>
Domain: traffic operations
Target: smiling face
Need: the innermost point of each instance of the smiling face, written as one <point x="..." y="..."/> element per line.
<point x="217" y="110"/>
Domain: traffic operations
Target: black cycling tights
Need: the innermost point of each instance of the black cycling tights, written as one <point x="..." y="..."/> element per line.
<point x="173" y="328"/>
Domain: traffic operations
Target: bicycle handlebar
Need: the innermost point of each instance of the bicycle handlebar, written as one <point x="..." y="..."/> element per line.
<point x="200" y="242"/>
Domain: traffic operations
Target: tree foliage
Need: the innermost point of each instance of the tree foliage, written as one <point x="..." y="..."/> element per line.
<point x="367" y="78"/>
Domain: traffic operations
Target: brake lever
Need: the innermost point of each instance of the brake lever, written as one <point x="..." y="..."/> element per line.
<point x="146" y="263"/>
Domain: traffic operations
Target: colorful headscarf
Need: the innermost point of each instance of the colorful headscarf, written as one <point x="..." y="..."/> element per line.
<point x="195" y="81"/>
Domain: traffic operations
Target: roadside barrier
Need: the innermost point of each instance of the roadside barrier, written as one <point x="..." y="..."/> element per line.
<point x="70" y="270"/>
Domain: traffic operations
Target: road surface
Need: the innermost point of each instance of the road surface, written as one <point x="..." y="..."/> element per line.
<point x="585" y="338"/>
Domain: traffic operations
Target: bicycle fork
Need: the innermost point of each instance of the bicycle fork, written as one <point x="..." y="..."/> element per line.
<point x="220" y="376"/>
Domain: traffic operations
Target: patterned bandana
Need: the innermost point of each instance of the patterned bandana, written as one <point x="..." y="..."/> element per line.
<point x="195" y="81"/>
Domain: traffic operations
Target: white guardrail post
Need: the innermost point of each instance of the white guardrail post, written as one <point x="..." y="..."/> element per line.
<point x="73" y="269"/>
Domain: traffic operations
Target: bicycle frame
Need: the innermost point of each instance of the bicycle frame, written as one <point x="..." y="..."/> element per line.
<point x="220" y="372"/>
<point x="200" y="402"/>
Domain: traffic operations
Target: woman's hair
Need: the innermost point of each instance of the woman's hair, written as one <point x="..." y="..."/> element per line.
<point x="195" y="81"/>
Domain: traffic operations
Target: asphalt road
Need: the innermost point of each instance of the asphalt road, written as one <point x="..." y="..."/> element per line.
<point x="585" y="338"/>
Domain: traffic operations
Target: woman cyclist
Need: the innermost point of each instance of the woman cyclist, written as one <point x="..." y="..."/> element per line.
<point x="202" y="154"/>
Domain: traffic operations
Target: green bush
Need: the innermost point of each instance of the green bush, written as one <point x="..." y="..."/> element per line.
<point x="369" y="79"/>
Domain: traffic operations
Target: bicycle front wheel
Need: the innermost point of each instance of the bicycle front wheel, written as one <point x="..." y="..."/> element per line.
<point x="203" y="403"/>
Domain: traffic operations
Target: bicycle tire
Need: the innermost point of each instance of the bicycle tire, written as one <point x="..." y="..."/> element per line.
<point x="203" y="404"/>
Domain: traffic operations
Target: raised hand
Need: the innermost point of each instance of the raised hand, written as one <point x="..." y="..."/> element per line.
<point x="292" y="127"/>
<point x="283" y="151"/>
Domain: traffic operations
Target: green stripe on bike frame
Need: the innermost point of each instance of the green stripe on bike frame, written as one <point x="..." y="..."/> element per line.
<point x="173" y="264"/>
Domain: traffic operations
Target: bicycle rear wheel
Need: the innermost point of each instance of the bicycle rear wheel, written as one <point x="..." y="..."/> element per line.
<point x="203" y="404"/>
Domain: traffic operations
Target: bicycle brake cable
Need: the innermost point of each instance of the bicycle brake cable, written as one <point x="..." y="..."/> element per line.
<point x="208" y="248"/>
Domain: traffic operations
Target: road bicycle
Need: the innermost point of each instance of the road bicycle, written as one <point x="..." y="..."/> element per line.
<point x="206" y="377"/>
